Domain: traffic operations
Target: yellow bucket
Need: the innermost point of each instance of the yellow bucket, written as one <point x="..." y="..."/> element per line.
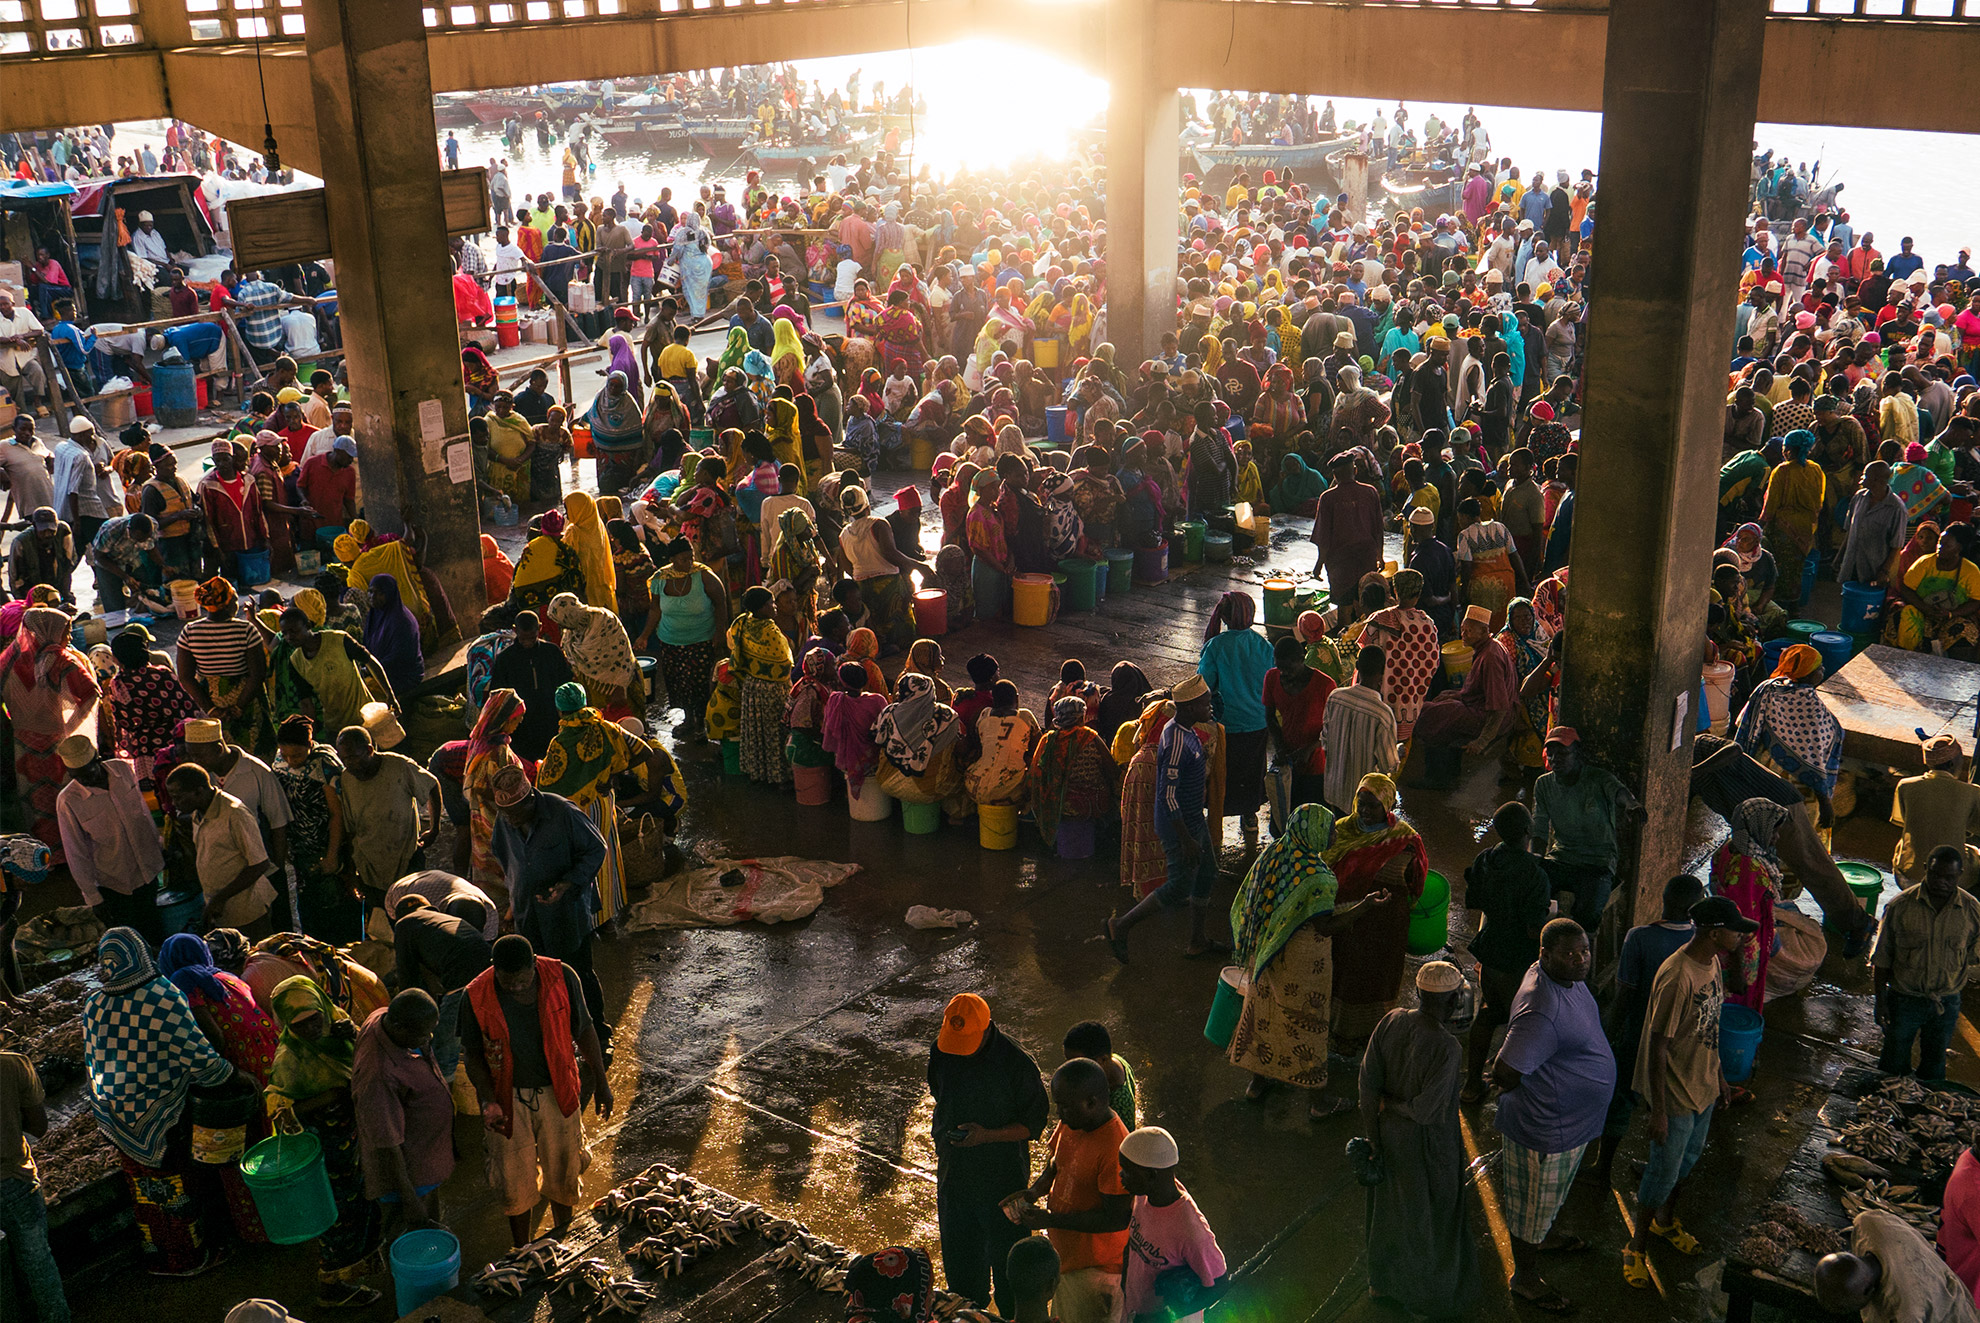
<point x="921" y="453"/>
<point x="997" y="826"/>
<point x="1031" y="599"/>
<point x="1457" y="660"/>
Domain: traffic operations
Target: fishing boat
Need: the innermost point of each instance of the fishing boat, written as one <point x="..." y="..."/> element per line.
<point x="719" y="137"/>
<point x="1437" y="192"/>
<point x="650" y="131"/>
<point x="451" y="111"/>
<point x="783" y="156"/>
<point x="1270" y="156"/>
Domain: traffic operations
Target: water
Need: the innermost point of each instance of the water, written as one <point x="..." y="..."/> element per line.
<point x="992" y="103"/>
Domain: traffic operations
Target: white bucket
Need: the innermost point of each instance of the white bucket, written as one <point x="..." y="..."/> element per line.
<point x="872" y="803"/>
<point x="1718" y="692"/>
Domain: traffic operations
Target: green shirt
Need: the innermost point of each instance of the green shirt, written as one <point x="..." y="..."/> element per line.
<point x="1581" y="818"/>
<point x="1123" y="1098"/>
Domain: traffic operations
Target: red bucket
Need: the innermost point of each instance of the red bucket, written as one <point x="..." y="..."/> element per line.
<point x="931" y="612"/>
<point x="814" y="785"/>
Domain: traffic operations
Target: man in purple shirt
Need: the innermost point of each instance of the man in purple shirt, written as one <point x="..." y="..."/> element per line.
<point x="1555" y="1075"/>
<point x="1347" y="529"/>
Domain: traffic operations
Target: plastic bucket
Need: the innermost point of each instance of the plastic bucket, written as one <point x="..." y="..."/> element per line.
<point x="1862" y="605"/>
<point x="1227" y="1005"/>
<point x="1834" y="649"/>
<point x="1055" y="424"/>
<point x="1031" y="599"/>
<point x="732" y="757"/>
<point x="1075" y="838"/>
<point x="180" y="911"/>
<point x="996" y="826"/>
<point x="505" y="312"/>
<point x="1216" y="546"/>
<point x="1151" y="565"/>
<point x="1770" y="652"/>
<point x="252" y="566"/>
<point x="814" y="785"/>
<point x="1081" y="594"/>
<point x="1858" y="642"/>
<point x="1192" y="548"/>
<point x="1801" y="631"/>
<point x="1430" y="917"/>
<point x="425" y="1264"/>
<point x="1457" y="660"/>
<point x="921" y="453"/>
<point x="871" y="804"/>
<point x="220" y="1117"/>
<point x="174" y="397"/>
<point x="931" y="613"/>
<point x="1280" y="607"/>
<point x="291" y="1189"/>
<point x="1740" y="1030"/>
<point x="1866" y="882"/>
<point x="1120" y="570"/>
<point x="1718" y="691"/>
<point x="1810" y="569"/>
<point x="507" y="335"/>
<point x="921" y="819"/>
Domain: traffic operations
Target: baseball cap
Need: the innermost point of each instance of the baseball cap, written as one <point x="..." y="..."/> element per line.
<point x="1563" y="735"/>
<point x="964" y="1024"/>
<point x="45" y="516"/>
<point x="344" y="445"/>
<point x="1719" y="912"/>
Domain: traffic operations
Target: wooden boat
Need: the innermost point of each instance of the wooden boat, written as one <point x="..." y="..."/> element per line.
<point x="719" y="137"/>
<point x="1257" y="157"/>
<point x="807" y="155"/>
<point x="643" y="131"/>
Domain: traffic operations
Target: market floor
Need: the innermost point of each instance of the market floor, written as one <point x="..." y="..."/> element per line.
<point x="786" y="1064"/>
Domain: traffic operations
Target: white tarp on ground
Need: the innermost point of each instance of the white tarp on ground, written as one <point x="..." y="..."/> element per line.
<point x="771" y="890"/>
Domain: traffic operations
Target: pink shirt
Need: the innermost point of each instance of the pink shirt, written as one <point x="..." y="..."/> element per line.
<point x="1959" y="1225"/>
<point x="1163" y="1238"/>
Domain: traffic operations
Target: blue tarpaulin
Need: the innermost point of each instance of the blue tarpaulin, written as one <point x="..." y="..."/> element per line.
<point x="25" y="190"/>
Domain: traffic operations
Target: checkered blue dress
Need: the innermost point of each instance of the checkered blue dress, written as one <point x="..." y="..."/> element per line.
<point x="145" y="1052"/>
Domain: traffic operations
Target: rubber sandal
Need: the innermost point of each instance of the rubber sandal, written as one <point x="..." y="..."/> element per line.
<point x="357" y="1297"/>
<point x="1549" y="1301"/>
<point x="1118" y="945"/>
<point x="1738" y="1096"/>
<point x="1334" y="1107"/>
<point x="1636" y="1269"/>
<point x="1683" y="1241"/>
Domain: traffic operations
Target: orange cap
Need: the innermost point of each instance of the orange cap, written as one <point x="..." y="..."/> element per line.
<point x="963" y="1025"/>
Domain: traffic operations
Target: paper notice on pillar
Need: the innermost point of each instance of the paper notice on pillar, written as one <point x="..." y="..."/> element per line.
<point x="435" y="454"/>
<point x="432" y="421"/>
<point x="460" y="462"/>
<point x="1677" y="721"/>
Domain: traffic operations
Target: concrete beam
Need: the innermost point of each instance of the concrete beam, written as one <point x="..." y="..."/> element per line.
<point x="57" y="91"/>
<point x="1144" y="115"/>
<point x="215" y="88"/>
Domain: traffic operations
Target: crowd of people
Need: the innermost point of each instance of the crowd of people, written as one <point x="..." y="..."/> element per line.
<point x="1401" y="380"/>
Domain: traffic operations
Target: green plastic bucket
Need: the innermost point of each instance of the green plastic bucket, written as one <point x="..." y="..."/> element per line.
<point x="1227" y="1006"/>
<point x="1430" y="917"/>
<point x="1866" y="881"/>
<point x="1080" y="591"/>
<point x="1804" y="631"/>
<point x="921" y="819"/>
<point x="732" y="757"/>
<point x="1120" y="569"/>
<point x="291" y="1189"/>
<point x="1192" y="531"/>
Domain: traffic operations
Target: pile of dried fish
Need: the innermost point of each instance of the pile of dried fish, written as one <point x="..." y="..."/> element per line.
<point x="1898" y="1200"/>
<point x="540" y="1260"/>
<point x="687" y="1219"/>
<point x="1903" y="1121"/>
<point x="1783" y="1229"/>
<point x="72" y="1155"/>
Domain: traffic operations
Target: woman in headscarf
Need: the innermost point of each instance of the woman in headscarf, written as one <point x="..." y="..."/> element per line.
<point x="51" y="693"/>
<point x="696" y="267"/>
<point x="689" y="615"/>
<point x="511" y="438"/>
<point x="222" y="1004"/>
<point x="221" y="661"/>
<point x="546" y="567"/>
<point x="759" y="379"/>
<point x="584" y="533"/>
<point x="851" y="712"/>
<point x="498" y="572"/>
<point x="1283" y="924"/>
<point x="1144" y="865"/>
<point x="308" y="773"/>
<point x="488" y="753"/>
<point x="1127" y="689"/>
<point x="919" y="749"/>
<point x="310" y="1084"/>
<point x="1297" y="492"/>
<point x="863" y="647"/>
<point x="1374" y="850"/>
<point x="816" y="440"/>
<point x="1747" y="871"/>
<point x="795" y="558"/>
<point x="1072" y="771"/>
<point x="632" y="567"/>
<point x="1004" y="736"/>
<point x="804" y="709"/>
<point x="1234" y="661"/>
<point x="479" y="379"/>
<point x="787" y="359"/>
<point x="780" y="426"/>
<point x="1937" y="598"/>
<point x="400" y="558"/>
<point x="1250" y="487"/>
<point x="990" y="577"/>
<point x="391" y="636"/>
<point x="581" y="762"/>
<point x="895" y="1285"/>
<point x="1786" y="727"/>
<point x="1488" y="562"/>
<point x="146" y="701"/>
<point x="1792" y="511"/>
<point x="760" y="659"/>
<point x="144" y="1051"/>
<point x="601" y="656"/>
<point x="618" y="432"/>
<point x="1761" y="574"/>
<point x="1528" y="642"/>
<point x="881" y="569"/>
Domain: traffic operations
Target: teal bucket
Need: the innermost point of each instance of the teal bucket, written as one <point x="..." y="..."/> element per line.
<point x="1866" y="883"/>
<point x="1120" y="569"/>
<point x="1430" y="917"/>
<point x="291" y="1189"/>
<point x="1740" y="1029"/>
<point x="1192" y="540"/>
<point x="425" y="1264"/>
<point x="1801" y="631"/>
<point x="1080" y="592"/>
<point x="732" y="757"/>
<point x="1226" y="1006"/>
<point x="921" y="819"/>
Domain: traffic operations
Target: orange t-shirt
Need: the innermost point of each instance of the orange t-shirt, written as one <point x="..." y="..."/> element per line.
<point x="1086" y="1165"/>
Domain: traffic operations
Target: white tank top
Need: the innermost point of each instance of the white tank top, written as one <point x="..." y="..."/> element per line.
<point x="862" y="547"/>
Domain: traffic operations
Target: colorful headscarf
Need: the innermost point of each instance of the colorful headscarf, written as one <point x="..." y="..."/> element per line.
<point x="895" y="1285"/>
<point x="216" y="594"/>
<point x="304" y="1069"/>
<point x="1797" y="662"/>
<point x="914" y="728"/>
<point x="1288" y="884"/>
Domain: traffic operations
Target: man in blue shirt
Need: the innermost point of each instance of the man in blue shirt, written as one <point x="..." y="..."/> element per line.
<point x="1555" y="1075"/>
<point x="550" y="855"/>
<point x="194" y="340"/>
<point x="73" y="344"/>
<point x="1181" y="823"/>
<point x="1901" y="266"/>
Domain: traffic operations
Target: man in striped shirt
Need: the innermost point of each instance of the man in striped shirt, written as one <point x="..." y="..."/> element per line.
<point x="1181" y="823"/>
<point x="1358" y="730"/>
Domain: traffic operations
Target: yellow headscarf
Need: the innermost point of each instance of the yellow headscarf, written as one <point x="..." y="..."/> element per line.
<point x="311" y="603"/>
<point x="584" y="533"/>
<point x="346" y="548"/>
<point x="787" y="344"/>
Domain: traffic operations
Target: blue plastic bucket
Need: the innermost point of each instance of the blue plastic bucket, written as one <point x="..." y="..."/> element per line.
<point x="1862" y="608"/>
<point x="1740" y="1029"/>
<point x="425" y="1264"/>
<point x="251" y="569"/>
<point x="174" y="395"/>
<point x="1151" y="564"/>
<point x="180" y="911"/>
<point x="1055" y="424"/>
<point x="1809" y="569"/>
<point x="1771" y="652"/>
<point x="1834" y="649"/>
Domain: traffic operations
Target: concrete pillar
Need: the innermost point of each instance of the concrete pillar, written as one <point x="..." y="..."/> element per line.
<point x="374" y="123"/>
<point x="1678" y="106"/>
<point x="1144" y="119"/>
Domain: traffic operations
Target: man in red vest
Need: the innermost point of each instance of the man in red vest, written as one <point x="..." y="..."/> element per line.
<point x="521" y="1042"/>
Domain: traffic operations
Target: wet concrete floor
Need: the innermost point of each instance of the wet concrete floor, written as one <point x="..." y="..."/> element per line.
<point x="785" y="1064"/>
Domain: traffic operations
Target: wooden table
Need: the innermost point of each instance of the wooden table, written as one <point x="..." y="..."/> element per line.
<point x="1884" y="696"/>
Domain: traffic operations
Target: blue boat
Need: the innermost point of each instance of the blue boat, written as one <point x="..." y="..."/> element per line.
<point x="1310" y="156"/>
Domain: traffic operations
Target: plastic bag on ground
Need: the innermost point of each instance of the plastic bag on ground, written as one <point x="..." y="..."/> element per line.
<point x="775" y="889"/>
<point x="921" y="916"/>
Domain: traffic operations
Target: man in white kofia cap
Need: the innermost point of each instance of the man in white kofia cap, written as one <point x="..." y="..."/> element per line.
<point x="1174" y="1266"/>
